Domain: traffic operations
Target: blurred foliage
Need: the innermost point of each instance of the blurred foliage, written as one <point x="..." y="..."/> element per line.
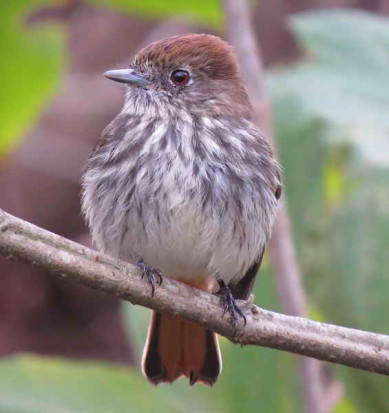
<point x="331" y="114"/>
<point x="203" y="11"/>
<point x="32" y="59"/>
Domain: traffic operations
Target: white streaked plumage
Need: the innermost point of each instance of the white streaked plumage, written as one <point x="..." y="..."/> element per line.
<point x="190" y="194"/>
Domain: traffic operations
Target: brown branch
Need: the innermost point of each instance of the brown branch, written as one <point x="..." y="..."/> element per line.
<point x="69" y="260"/>
<point x="282" y="251"/>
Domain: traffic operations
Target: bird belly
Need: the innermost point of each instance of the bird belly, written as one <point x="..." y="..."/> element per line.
<point x="188" y="241"/>
<point x="174" y="242"/>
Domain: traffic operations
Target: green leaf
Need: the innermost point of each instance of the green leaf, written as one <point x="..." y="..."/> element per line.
<point x="344" y="79"/>
<point x="32" y="59"/>
<point x="40" y="385"/>
<point x="332" y="123"/>
<point x="202" y="11"/>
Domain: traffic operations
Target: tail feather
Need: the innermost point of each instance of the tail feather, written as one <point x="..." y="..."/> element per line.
<point x="212" y="367"/>
<point x="152" y="365"/>
<point x="193" y="351"/>
<point x="176" y="348"/>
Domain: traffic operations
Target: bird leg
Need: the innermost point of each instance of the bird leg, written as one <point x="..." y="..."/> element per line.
<point x="153" y="275"/>
<point x="229" y="305"/>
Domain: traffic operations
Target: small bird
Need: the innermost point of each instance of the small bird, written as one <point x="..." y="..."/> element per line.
<point x="185" y="185"/>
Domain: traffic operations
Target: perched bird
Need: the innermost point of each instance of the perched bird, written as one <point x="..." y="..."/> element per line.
<point x="184" y="184"/>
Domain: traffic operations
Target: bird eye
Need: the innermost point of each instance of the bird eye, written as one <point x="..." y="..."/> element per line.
<point x="180" y="77"/>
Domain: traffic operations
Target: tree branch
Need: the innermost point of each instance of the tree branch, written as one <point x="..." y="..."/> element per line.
<point x="69" y="260"/>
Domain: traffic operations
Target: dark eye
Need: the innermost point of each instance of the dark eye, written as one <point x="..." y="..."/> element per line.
<point x="180" y="77"/>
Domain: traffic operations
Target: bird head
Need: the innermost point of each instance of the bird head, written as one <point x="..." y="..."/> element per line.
<point x="194" y="73"/>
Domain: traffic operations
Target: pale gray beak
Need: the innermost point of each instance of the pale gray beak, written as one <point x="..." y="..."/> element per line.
<point x="127" y="76"/>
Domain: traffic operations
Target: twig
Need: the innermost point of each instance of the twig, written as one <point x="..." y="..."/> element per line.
<point x="282" y="251"/>
<point x="67" y="259"/>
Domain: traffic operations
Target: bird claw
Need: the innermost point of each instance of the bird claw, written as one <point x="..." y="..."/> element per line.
<point x="153" y="275"/>
<point x="231" y="307"/>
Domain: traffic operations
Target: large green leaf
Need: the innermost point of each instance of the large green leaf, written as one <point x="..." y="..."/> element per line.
<point x="46" y="385"/>
<point x="332" y="123"/>
<point x="31" y="60"/>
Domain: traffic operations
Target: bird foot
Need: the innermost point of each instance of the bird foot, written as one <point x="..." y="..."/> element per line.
<point x="153" y="275"/>
<point x="230" y="306"/>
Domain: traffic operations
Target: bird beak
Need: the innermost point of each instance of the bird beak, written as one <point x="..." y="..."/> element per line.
<point x="127" y="76"/>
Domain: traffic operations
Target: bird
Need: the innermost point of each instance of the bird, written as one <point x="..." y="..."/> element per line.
<point x="184" y="184"/>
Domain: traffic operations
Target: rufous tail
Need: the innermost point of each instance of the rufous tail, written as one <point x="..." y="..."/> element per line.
<point x="176" y="348"/>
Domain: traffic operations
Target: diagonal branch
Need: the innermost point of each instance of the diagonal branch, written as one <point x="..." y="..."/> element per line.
<point x="355" y="348"/>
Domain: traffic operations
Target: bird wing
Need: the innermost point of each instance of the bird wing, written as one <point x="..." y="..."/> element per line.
<point x="243" y="288"/>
